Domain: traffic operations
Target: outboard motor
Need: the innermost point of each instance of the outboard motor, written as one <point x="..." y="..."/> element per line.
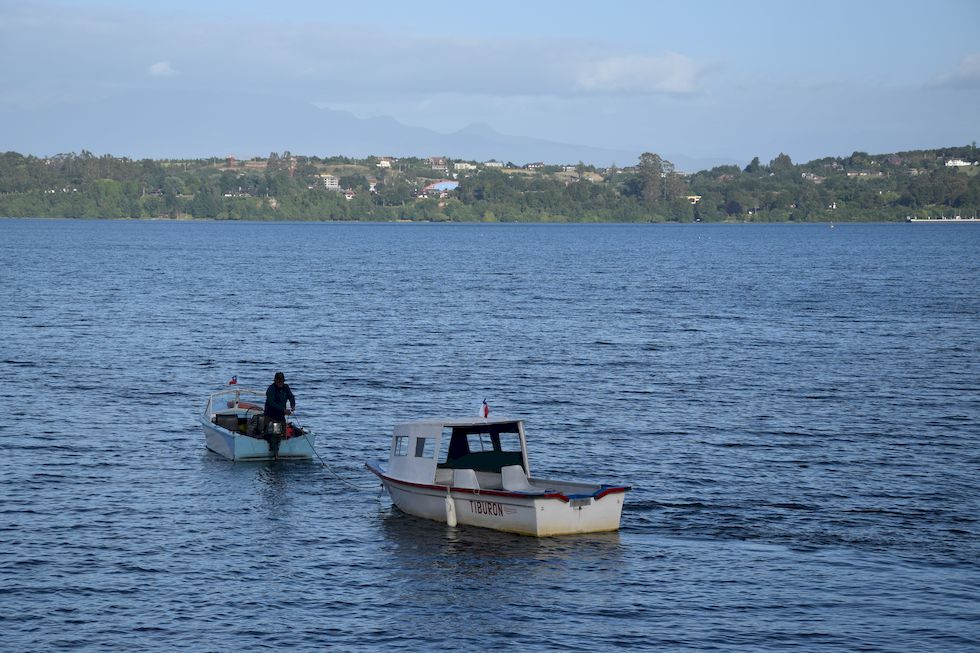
<point x="273" y="435"/>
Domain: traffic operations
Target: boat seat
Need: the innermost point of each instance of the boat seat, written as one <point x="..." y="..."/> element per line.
<point x="444" y="476"/>
<point x="465" y="478"/>
<point x="514" y="479"/>
<point x="225" y="421"/>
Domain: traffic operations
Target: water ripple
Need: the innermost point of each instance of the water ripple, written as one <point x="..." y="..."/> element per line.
<point x="795" y="408"/>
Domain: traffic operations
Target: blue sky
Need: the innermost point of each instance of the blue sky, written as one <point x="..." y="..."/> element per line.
<point x="706" y="79"/>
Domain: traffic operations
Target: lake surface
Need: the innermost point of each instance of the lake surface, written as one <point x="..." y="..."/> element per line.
<point x="796" y="407"/>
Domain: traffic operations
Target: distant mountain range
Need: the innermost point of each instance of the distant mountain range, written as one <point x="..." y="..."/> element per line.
<point x="161" y="126"/>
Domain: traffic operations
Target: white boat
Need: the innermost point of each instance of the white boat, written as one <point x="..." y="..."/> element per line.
<point x="476" y="472"/>
<point x="235" y="427"/>
<point x="944" y="220"/>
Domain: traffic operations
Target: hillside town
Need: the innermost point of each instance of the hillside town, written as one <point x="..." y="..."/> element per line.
<point x="860" y="186"/>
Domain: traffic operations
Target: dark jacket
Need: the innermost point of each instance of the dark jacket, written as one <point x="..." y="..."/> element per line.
<point x="275" y="401"/>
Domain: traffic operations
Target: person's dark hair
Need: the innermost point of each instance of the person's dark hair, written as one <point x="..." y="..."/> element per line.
<point x="279" y="376"/>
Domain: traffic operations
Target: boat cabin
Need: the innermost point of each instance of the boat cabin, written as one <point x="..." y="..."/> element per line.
<point x="437" y="451"/>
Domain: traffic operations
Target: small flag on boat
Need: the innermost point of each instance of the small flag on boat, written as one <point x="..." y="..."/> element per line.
<point x="485" y="409"/>
<point x="234" y="380"/>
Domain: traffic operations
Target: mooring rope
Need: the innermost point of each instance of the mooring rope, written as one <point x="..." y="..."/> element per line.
<point x="335" y="474"/>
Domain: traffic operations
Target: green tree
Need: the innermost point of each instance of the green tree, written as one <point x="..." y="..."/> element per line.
<point x="355" y="182"/>
<point x="782" y="166"/>
<point x="206" y="202"/>
<point x="394" y="192"/>
<point x="651" y="179"/>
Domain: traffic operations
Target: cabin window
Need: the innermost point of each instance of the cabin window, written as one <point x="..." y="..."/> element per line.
<point x="401" y="445"/>
<point x="510" y="442"/>
<point x="479" y="442"/>
<point x="447" y="434"/>
<point x="424" y="447"/>
<point x="483" y="448"/>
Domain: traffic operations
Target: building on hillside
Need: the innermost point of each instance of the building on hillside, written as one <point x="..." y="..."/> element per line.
<point x="463" y="165"/>
<point x="439" y="164"/>
<point x="439" y="189"/>
<point x="958" y="163"/>
<point x="386" y="161"/>
<point x="331" y="182"/>
<point x="493" y="164"/>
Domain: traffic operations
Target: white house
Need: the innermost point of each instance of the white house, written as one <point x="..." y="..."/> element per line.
<point x="439" y="164"/>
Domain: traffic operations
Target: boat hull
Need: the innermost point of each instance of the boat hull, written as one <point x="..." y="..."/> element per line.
<point x="536" y="514"/>
<point x="235" y="446"/>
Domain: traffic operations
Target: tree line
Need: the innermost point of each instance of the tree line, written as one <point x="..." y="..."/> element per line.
<point x="860" y="187"/>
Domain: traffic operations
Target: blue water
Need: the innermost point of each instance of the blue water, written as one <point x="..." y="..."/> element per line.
<point x="796" y="407"/>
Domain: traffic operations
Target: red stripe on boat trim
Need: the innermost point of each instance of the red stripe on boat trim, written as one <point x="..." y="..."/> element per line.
<point x="619" y="489"/>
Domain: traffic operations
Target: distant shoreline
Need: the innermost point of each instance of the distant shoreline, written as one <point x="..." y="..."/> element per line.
<point x="828" y="224"/>
<point x="857" y="188"/>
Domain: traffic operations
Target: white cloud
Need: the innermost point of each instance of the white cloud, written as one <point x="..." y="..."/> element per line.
<point x="161" y="69"/>
<point x="92" y="48"/>
<point x="965" y="75"/>
<point x="671" y="73"/>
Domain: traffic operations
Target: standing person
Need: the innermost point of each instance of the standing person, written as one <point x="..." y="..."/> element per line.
<point x="276" y="398"/>
<point x="275" y="411"/>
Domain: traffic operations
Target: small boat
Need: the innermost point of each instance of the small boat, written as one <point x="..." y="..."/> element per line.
<point x="944" y="219"/>
<point x="236" y="427"/>
<point x="475" y="471"/>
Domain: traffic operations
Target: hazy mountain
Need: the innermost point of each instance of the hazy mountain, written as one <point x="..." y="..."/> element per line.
<point x="167" y="126"/>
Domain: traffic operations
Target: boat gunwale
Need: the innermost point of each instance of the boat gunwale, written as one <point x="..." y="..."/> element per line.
<point x="603" y="490"/>
<point x="241" y="408"/>
<point x="206" y="423"/>
<point x="237" y="391"/>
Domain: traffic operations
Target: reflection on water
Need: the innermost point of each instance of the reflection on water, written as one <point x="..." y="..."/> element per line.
<point x="463" y="584"/>
<point x="267" y="488"/>
<point x="453" y="560"/>
<point x="272" y="481"/>
<point x="486" y="544"/>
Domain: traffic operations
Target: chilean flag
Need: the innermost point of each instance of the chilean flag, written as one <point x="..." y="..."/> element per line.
<point x="485" y="409"/>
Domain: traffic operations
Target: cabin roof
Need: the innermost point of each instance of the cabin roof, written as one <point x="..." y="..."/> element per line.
<point x="440" y="422"/>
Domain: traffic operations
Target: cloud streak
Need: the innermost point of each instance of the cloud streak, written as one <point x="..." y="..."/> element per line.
<point x="966" y="75"/>
<point x="161" y="69"/>
<point x="672" y="74"/>
<point x="317" y="60"/>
